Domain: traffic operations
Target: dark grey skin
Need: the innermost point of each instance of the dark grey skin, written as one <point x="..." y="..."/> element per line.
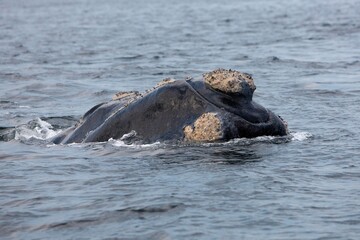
<point x="162" y="114"/>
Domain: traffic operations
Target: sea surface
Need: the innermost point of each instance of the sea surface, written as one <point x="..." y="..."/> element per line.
<point x="60" y="58"/>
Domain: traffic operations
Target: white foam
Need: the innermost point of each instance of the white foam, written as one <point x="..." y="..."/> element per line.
<point x="42" y="130"/>
<point x="128" y="135"/>
<point x="300" y="136"/>
<point x="121" y="143"/>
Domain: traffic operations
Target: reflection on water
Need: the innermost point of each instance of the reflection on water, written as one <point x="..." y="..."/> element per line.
<point x="233" y="156"/>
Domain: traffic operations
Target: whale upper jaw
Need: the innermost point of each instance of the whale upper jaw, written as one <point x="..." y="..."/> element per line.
<point x="235" y="103"/>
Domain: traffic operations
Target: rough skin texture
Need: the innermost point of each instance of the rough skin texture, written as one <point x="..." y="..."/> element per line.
<point x="229" y="81"/>
<point x="164" y="81"/>
<point x="127" y="95"/>
<point x="206" y="128"/>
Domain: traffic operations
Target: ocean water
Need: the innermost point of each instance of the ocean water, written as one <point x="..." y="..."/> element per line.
<point x="60" y="58"/>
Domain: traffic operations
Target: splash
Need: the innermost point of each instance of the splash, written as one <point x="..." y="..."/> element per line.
<point x="122" y="143"/>
<point x="294" y="136"/>
<point x="300" y="136"/>
<point x="131" y="140"/>
<point x="38" y="129"/>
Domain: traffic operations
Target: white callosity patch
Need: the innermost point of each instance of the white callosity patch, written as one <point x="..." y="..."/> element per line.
<point x="164" y="82"/>
<point x="126" y="95"/>
<point x="229" y="81"/>
<point x="207" y="127"/>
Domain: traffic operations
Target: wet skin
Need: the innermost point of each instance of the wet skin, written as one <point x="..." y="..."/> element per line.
<point x="162" y="114"/>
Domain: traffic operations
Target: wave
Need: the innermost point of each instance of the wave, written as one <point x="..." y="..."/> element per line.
<point x="292" y="137"/>
<point x="37" y="129"/>
<point x="41" y="129"/>
<point x="122" y="143"/>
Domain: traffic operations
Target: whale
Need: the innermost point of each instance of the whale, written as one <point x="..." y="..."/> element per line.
<point x="217" y="106"/>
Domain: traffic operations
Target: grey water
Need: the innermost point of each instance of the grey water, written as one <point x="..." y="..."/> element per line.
<point x="60" y="58"/>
